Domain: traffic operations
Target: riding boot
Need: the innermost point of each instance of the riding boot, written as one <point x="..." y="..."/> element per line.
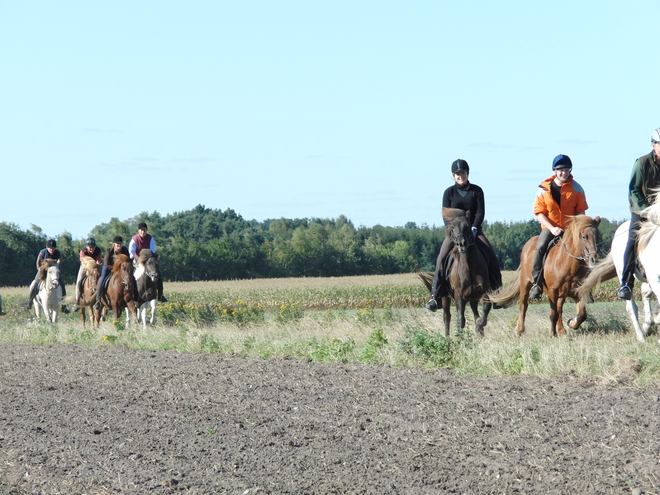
<point x="64" y="309"/>
<point x="161" y="297"/>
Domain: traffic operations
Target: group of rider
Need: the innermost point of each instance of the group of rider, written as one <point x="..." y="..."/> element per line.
<point x="142" y="240"/>
<point x="558" y="199"/>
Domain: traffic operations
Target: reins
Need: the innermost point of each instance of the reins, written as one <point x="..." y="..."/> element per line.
<point x="585" y="258"/>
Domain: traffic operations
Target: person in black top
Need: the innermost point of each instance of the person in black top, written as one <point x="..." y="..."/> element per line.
<point x="467" y="197"/>
<point x="49" y="252"/>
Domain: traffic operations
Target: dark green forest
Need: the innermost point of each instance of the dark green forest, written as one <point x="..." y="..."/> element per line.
<point x="207" y="244"/>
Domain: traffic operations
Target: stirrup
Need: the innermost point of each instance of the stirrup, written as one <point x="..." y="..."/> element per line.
<point x="432" y="305"/>
<point x="535" y="292"/>
<point x="624" y="293"/>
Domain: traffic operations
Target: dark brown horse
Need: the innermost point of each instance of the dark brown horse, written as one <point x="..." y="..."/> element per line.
<point x="119" y="295"/>
<point x="88" y="289"/>
<point x="147" y="277"/>
<point x="468" y="275"/>
<point x="566" y="265"/>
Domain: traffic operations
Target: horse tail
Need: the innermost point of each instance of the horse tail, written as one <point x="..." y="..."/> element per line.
<point x="508" y="294"/>
<point x="603" y="271"/>
<point x="427" y="278"/>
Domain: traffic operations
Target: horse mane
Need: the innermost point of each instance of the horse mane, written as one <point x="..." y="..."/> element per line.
<point x="449" y="214"/>
<point x="578" y="224"/>
<point x="144" y="255"/>
<point x="89" y="264"/>
<point x="119" y="260"/>
<point x="45" y="265"/>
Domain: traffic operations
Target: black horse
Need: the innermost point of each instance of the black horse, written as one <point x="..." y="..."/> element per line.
<point x="468" y="274"/>
<point x="147" y="276"/>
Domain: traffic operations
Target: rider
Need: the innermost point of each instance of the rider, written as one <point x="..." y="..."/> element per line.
<point x="645" y="177"/>
<point x="50" y="252"/>
<point x="108" y="262"/>
<point x="91" y="250"/>
<point x="145" y="241"/>
<point x="559" y="197"/>
<point x="467" y="197"/>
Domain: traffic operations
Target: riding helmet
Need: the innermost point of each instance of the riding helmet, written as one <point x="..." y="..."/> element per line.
<point x="561" y="161"/>
<point x="118" y="240"/>
<point x="51" y="243"/>
<point x="460" y="165"/>
<point x="91" y="242"/>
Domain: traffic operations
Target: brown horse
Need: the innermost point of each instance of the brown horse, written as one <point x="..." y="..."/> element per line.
<point x="119" y="295"/>
<point x="566" y="265"/>
<point x="88" y="289"/>
<point x="468" y="275"/>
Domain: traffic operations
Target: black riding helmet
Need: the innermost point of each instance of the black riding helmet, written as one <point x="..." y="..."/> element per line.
<point x="91" y="242"/>
<point x="460" y="165"/>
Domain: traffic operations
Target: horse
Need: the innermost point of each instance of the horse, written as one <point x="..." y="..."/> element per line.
<point x="566" y="265"/>
<point x="146" y="276"/>
<point x="468" y="276"/>
<point x="119" y="294"/>
<point x="88" y="287"/>
<point x="647" y="270"/>
<point x="49" y="297"/>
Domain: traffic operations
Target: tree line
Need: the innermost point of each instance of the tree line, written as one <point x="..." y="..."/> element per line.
<point x="210" y="244"/>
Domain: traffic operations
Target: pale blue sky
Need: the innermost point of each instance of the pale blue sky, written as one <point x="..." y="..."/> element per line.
<point x="310" y="109"/>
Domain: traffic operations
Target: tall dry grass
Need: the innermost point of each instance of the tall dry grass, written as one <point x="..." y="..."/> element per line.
<point x="376" y="319"/>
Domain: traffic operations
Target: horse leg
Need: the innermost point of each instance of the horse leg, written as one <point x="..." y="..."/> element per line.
<point x="446" y="309"/>
<point x="647" y="293"/>
<point x="474" y="305"/>
<point x="523" y="303"/>
<point x="559" y="323"/>
<point x="554" y="314"/>
<point x="631" y="308"/>
<point x="580" y="317"/>
<point x="82" y="315"/>
<point x="482" y="320"/>
<point x="152" y="303"/>
<point x="460" y="313"/>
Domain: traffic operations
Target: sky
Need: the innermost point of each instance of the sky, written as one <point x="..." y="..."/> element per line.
<point x="317" y="109"/>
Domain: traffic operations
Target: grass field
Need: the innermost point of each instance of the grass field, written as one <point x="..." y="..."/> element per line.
<point x="371" y="319"/>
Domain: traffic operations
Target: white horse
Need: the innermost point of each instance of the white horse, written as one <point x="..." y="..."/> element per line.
<point x="648" y="247"/>
<point x="49" y="298"/>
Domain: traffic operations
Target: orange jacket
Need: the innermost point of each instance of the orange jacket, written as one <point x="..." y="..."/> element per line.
<point x="573" y="201"/>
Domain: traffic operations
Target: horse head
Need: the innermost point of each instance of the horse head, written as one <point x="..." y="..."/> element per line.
<point x="583" y="232"/>
<point x="52" y="277"/>
<point x="151" y="268"/>
<point x="459" y="228"/>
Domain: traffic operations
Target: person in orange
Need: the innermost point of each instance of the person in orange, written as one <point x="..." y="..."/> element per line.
<point x="559" y="198"/>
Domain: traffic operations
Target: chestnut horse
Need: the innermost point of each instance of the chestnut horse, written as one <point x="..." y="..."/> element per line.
<point x="566" y="265"/>
<point x="88" y="289"/>
<point x="119" y="295"/>
<point x="468" y="275"/>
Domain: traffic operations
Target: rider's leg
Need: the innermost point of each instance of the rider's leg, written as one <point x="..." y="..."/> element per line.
<point x="161" y="297"/>
<point x="629" y="259"/>
<point x="81" y="271"/>
<point x="494" y="272"/>
<point x="34" y="290"/>
<point x="537" y="267"/>
<point x="99" y="287"/>
<point x="439" y="287"/>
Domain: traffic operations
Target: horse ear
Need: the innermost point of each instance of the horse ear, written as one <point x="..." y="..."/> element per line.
<point x="468" y="215"/>
<point x="597" y="221"/>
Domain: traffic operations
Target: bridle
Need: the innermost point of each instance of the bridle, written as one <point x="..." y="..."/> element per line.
<point x="587" y="251"/>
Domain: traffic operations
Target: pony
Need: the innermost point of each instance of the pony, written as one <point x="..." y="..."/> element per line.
<point x="119" y="294"/>
<point x="88" y="287"/>
<point x="647" y="270"/>
<point x="566" y="265"/>
<point x="49" y="298"/>
<point x="467" y="276"/>
<point x="146" y="276"/>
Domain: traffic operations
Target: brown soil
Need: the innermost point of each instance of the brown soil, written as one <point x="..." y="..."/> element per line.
<point x="89" y="420"/>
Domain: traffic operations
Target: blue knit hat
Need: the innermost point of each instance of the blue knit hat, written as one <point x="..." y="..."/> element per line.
<point x="561" y="161"/>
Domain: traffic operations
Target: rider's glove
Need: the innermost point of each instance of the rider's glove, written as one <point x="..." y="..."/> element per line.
<point x="474" y="231"/>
